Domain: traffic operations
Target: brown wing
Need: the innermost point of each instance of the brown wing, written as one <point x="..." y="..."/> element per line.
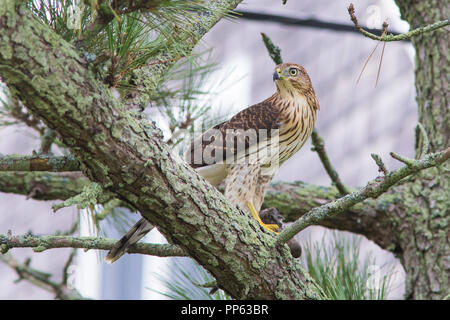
<point x="220" y="142"/>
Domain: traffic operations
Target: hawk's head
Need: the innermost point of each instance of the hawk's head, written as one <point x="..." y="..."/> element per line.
<point x="291" y="79"/>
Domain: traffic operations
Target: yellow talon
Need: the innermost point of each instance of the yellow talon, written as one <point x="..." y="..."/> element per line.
<point x="255" y="214"/>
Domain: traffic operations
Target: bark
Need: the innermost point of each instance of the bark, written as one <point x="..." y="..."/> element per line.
<point x="422" y="225"/>
<point x="292" y="200"/>
<point x="38" y="163"/>
<point x="129" y="158"/>
<point x="43" y="185"/>
<point x="42" y="243"/>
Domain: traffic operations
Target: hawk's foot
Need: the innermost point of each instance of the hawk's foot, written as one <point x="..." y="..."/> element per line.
<point x="255" y="214"/>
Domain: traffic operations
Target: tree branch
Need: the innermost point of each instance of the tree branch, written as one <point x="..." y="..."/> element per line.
<point x="148" y="78"/>
<point x="38" y="163"/>
<point x="369" y="218"/>
<point x="372" y="190"/>
<point x="43" y="185"/>
<point x="390" y="37"/>
<point x="42" y="243"/>
<point x="292" y="200"/>
<point x="319" y="147"/>
<point x="41" y="279"/>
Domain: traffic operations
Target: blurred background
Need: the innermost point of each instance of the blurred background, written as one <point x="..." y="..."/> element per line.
<point x="355" y="120"/>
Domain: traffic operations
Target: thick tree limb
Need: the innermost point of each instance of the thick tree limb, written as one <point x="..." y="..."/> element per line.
<point x="129" y="158"/>
<point x="372" y="190"/>
<point x="42" y="243"/>
<point x="292" y="200"/>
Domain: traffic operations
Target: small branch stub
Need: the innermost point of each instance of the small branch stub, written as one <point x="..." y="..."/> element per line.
<point x="380" y="163"/>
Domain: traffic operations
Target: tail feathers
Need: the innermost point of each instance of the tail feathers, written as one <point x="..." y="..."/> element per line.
<point x="136" y="233"/>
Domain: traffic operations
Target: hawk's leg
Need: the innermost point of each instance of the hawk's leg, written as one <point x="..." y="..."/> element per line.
<point x="255" y="214"/>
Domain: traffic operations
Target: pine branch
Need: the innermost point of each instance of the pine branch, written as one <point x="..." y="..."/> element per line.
<point x="148" y="78"/>
<point x="39" y="163"/>
<point x="42" y="243"/>
<point x="372" y="190"/>
<point x="390" y="37"/>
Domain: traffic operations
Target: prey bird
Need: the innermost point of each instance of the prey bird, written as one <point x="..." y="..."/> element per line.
<point x="245" y="152"/>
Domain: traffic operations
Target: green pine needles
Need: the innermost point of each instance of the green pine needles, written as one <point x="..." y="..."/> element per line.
<point x="335" y="263"/>
<point x="344" y="273"/>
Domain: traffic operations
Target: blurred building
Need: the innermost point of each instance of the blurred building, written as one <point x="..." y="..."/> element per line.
<point x="355" y="120"/>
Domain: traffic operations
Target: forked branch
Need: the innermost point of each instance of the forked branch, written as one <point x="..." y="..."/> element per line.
<point x="372" y="190"/>
<point x="390" y="37"/>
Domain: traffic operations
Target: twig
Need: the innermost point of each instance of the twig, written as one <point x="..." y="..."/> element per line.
<point x="425" y="145"/>
<point x="41" y="279"/>
<point x="317" y="141"/>
<point x="319" y="147"/>
<point x="390" y="37"/>
<point x="67" y="265"/>
<point x="42" y="243"/>
<point x="274" y="51"/>
<point x="380" y="163"/>
<point x="405" y="160"/>
<point x="372" y="190"/>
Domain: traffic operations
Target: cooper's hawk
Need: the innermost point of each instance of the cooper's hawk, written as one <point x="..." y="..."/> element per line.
<point x="245" y="151"/>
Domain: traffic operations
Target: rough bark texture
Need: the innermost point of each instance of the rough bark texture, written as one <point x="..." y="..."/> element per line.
<point x="422" y="225"/>
<point x="129" y="158"/>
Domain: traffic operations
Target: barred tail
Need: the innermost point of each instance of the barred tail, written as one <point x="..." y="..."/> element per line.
<point x="136" y="233"/>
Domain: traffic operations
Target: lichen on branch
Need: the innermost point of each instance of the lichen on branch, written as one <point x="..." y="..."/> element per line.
<point x="45" y="242"/>
<point x="372" y="190"/>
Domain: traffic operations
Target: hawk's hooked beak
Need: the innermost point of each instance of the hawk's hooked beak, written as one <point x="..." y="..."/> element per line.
<point x="277" y="74"/>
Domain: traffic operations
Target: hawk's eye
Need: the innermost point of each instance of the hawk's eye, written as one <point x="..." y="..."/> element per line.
<point x="293" y="71"/>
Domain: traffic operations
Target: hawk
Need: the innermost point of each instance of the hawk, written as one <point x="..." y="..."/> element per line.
<point x="245" y="152"/>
